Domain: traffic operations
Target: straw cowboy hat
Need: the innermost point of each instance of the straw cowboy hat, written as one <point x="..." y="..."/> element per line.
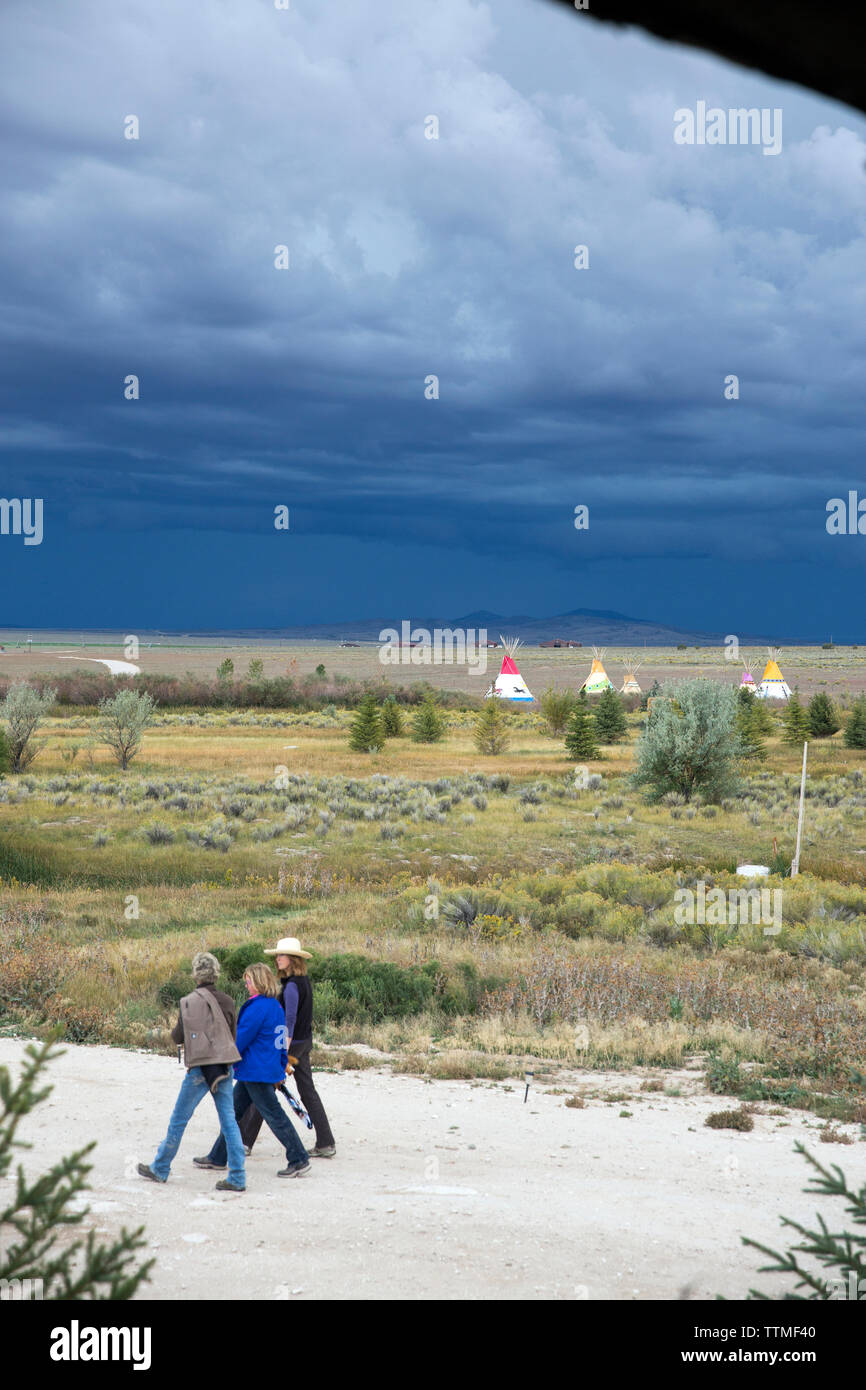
<point x="289" y="946"/>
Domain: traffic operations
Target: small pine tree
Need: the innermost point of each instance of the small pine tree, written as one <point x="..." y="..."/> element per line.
<point x="491" y="732"/>
<point x="610" y="721"/>
<point x="762" y="719"/>
<point x="796" y="722"/>
<point x="35" y="1216"/>
<point x="366" y="734"/>
<point x="256" y="669"/>
<point x="823" y="719"/>
<point x="392" y="719"/>
<point x="225" y="671"/>
<point x="5" y="753"/>
<point x="428" y="723"/>
<point x="749" y="727"/>
<point x="580" y="739"/>
<point x="855" y="728"/>
<point x="556" y="708"/>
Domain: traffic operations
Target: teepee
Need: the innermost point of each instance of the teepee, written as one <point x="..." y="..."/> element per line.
<point x="509" y="683"/>
<point x="597" y="680"/>
<point x="630" y="685"/>
<point x="748" y="680"/>
<point x="773" y="684"/>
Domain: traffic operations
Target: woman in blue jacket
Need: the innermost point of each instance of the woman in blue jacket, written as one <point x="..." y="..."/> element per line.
<point x="261" y="1041"/>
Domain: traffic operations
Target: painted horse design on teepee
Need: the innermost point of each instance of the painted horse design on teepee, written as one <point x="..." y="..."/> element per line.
<point x="509" y="684"/>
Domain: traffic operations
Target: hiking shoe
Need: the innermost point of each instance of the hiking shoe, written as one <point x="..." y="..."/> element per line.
<point x="323" y="1151"/>
<point x="294" y="1170"/>
<point x="145" y="1171"/>
<point x="225" y="1186"/>
<point x="206" y="1163"/>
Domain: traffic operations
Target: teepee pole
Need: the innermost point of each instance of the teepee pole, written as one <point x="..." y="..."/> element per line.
<point x="795" y="867"/>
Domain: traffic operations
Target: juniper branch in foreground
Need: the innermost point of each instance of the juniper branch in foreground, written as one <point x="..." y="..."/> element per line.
<point x="37" y="1211"/>
<point x="843" y="1252"/>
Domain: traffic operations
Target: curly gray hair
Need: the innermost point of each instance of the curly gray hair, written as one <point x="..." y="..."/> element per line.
<point x="205" y="968"/>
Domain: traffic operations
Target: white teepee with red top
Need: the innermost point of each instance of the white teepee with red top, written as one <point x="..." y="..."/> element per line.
<point x="509" y="684"/>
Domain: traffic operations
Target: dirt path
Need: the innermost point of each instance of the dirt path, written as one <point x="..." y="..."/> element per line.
<point x="442" y="1189"/>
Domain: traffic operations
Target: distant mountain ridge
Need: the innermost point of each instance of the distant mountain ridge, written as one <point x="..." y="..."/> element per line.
<point x="591" y="626"/>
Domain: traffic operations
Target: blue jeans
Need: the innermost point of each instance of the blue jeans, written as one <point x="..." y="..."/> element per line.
<point x="261" y="1094"/>
<point x="194" y="1089"/>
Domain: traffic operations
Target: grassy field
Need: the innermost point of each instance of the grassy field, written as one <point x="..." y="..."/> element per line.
<point x="468" y="914"/>
<point x="841" y="671"/>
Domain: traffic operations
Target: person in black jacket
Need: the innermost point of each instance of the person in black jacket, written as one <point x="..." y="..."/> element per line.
<point x="297" y="1000"/>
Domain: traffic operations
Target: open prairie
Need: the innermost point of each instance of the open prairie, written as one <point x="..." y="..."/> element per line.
<point x="840" y="671"/>
<point x="472" y="917"/>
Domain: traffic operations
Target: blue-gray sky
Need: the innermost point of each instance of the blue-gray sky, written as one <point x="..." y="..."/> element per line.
<point x="409" y="257"/>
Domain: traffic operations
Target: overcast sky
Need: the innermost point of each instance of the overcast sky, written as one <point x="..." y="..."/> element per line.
<point x="409" y="256"/>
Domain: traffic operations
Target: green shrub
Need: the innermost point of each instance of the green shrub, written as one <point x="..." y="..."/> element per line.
<point x="556" y="708"/>
<point x="730" y="1119"/>
<point x="236" y="961"/>
<point x="372" y="989"/>
<point x="690" y="743"/>
<point x="173" y="990"/>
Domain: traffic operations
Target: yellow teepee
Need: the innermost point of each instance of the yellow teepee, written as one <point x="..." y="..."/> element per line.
<point x="773" y="684"/>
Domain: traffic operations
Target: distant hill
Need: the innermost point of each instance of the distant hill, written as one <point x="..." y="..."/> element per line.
<point x="591" y="626"/>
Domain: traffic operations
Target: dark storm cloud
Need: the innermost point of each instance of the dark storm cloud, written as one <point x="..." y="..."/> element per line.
<point x="412" y="257"/>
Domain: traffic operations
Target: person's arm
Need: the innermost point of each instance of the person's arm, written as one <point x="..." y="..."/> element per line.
<point x="290" y="1004"/>
<point x="248" y="1026"/>
<point x="177" y="1030"/>
<point x="230" y="1013"/>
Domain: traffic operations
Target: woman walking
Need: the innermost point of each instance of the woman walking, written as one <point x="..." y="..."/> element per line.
<point x="261" y="1042"/>
<point x="296" y="997"/>
<point x="206" y="1026"/>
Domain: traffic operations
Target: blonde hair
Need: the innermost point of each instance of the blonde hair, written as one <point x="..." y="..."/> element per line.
<point x="261" y="977"/>
<point x="297" y="966"/>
